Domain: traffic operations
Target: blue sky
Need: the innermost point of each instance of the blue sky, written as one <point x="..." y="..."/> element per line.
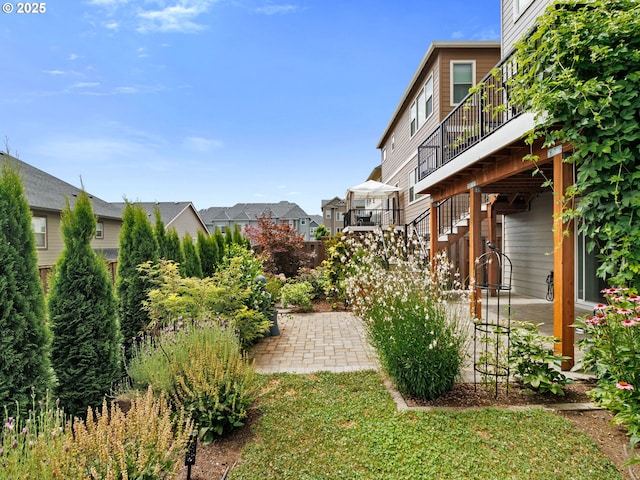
<point x="216" y="101"/>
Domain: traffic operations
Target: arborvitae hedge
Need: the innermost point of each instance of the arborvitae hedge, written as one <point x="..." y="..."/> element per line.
<point x="25" y="338"/>
<point x="82" y="308"/>
<point x="137" y="245"/>
<point x="208" y="251"/>
<point x="192" y="266"/>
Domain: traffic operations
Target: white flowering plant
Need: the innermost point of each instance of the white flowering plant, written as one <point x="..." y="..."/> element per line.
<point x="412" y="310"/>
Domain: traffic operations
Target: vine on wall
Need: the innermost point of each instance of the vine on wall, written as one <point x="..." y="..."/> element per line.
<point x="579" y="72"/>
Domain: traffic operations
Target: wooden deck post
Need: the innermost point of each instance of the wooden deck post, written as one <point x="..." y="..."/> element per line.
<point x="475" y="247"/>
<point x="492" y="237"/>
<point x="563" y="264"/>
<point x="433" y="231"/>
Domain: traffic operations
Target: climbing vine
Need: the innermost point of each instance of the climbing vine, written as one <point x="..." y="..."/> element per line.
<point x="579" y="72"/>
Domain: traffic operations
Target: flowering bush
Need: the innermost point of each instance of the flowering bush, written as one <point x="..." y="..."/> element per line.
<point x="411" y="311"/>
<point x="612" y="351"/>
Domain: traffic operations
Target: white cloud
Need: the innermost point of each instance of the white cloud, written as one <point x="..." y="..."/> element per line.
<point x="73" y="56"/>
<point x="281" y="9"/>
<point x="112" y="25"/>
<point x="457" y="35"/>
<point x="54" y="72"/>
<point x="200" y="144"/>
<point x="176" y="18"/>
<point x="85" y="84"/>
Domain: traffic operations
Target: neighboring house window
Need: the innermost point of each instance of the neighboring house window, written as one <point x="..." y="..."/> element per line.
<point x="384" y="154"/>
<point x="223" y="229"/>
<point x="428" y="97"/>
<point x="520" y="6"/>
<point x="99" y="230"/>
<point x="462" y="74"/>
<point x="338" y="216"/>
<point x="327" y="214"/>
<point x="39" y="225"/>
<point x="393" y="142"/>
<point x="413" y="179"/>
<point x="339" y="229"/>
<point x="303" y="221"/>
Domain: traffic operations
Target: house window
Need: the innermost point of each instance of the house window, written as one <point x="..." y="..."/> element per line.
<point x="99" y="230"/>
<point x="428" y="98"/>
<point x="39" y="225"/>
<point x="414" y="118"/>
<point x="462" y="74"/>
<point x="338" y="216"/>
<point x="520" y="6"/>
<point x="393" y="142"/>
<point x="384" y="154"/>
<point x="303" y="221"/>
<point x="327" y="214"/>
<point x="413" y="179"/>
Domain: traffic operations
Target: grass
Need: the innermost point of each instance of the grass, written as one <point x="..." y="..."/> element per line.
<point x="346" y="426"/>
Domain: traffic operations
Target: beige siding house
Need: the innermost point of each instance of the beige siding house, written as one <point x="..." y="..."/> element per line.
<point x="182" y="216"/>
<point x="47" y="197"/>
<point x="333" y="212"/>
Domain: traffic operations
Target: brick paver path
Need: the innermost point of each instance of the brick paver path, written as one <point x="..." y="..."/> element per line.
<point x="313" y="342"/>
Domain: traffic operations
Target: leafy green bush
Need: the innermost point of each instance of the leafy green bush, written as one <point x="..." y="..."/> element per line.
<point x="415" y="330"/>
<point x="535" y="363"/>
<point x="203" y="370"/>
<point x="298" y="294"/>
<point x="317" y="278"/>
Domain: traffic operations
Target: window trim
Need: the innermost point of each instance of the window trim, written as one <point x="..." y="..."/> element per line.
<point x="99" y="232"/>
<point x="413" y="181"/>
<point x="519" y="7"/>
<point x="426" y="99"/>
<point x="45" y="245"/>
<point x="452" y="84"/>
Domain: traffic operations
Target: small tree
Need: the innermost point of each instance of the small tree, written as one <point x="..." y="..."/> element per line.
<point x="82" y="309"/>
<point x="25" y="339"/>
<point x="208" y="252"/>
<point x="283" y="247"/>
<point x="222" y="248"/>
<point x="173" y="247"/>
<point x="192" y="266"/>
<point x="137" y="245"/>
<point x="321" y="232"/>
<point x="161" y="234"/>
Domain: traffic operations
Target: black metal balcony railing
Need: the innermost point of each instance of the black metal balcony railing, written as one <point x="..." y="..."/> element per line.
<point x="478" y="115"/>
<point x="368" y="217"/>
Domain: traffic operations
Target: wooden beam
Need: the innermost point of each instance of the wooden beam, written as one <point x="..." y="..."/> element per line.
<point x="475" y="247"/>
<point x="433" y="231"/>
<point x="563" y="264"/>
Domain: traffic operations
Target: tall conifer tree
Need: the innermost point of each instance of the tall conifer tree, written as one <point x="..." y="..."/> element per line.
<point x="137" y="245"/>
<point x="192" y="265"/>
<point x="25" y="338"/>
<point x="82" y="308"/>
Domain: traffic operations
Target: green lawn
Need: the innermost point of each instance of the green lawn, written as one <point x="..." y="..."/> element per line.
<point x="346" y="426"/>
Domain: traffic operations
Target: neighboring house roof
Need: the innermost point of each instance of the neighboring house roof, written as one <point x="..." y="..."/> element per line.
<point x="431" y="52"/>
<point x="335" y="202"/>
<point x="169" y="211"/>
<point x="48" y="193"/>
<point x="252" y="211"/>
<point x="316" y="220"/>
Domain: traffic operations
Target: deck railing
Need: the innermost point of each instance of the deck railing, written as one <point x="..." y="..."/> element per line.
<point x="370" y="217"/>
<point x="478" y="115"/>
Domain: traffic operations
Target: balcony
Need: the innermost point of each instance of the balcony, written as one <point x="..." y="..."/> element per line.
<point x="480" y="114"/>
<point x="371" y="217"/>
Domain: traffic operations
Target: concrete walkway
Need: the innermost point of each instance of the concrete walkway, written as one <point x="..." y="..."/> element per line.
<point x="313" y="342"/>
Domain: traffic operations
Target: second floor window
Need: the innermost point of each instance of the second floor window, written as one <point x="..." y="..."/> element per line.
<point x="461" y="80"/>
<point x="413" y="179"/>
<point x="327" y="214"/>
<point x="99" y="230"/>
<point x="39" y="225"/>
<point x="428" y="98"/>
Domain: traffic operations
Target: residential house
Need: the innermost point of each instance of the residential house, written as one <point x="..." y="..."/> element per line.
<point x="333" y="212"/>
<point x="478" y="152"/>
<point x="246" y="214"/>
<point x="47" y="197"/>
<point x="182" y="216"/>
<point x="442" y="80"/>
<point x="316" y="221"/>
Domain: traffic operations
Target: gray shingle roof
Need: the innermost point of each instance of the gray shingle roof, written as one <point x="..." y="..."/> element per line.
<point x="46" y="192"/>
<point x="169" y="211"/>
<point x="251" y="211"/>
